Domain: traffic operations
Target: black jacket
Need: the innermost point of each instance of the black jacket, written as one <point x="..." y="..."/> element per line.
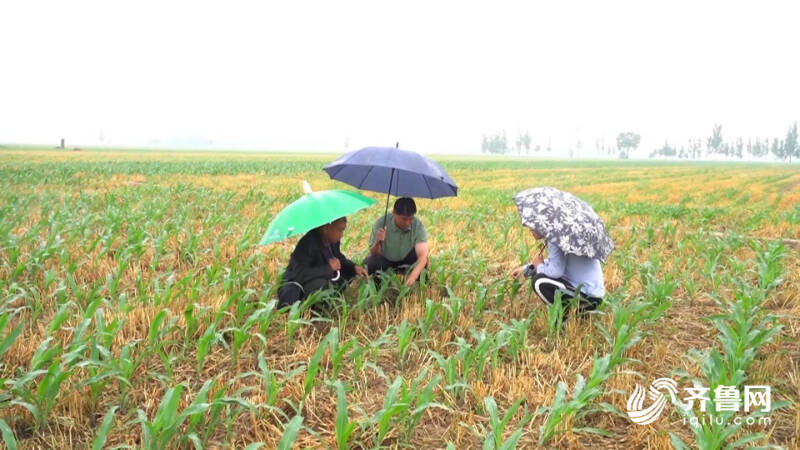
<point x="309" y="260"/>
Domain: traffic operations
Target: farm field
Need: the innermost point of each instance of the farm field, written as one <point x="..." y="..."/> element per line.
<point x="136" y="310"/>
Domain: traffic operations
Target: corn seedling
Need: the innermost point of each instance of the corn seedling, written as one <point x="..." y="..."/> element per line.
<point x="125" y="274"/>
<point x="403" y="405"/>
<point x="627" y="319"/>
<point x="744" y="329"/>
<point x="497" y="426"/>
<point x="166" y="424"/>
<point x="555" y="316"/>
<point x="405" y="339"/>
<point x="290" y="433"/>
<point x="426" y="322"/>
<point x="344" y="426"/>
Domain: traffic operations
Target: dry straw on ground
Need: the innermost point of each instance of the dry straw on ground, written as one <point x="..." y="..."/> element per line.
<point x="175" y="235"/>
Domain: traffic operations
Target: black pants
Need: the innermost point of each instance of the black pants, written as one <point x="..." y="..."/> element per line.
<point x="546" y="289"/>
<point x="379" y="263"/>
<point x="291" y="292"/>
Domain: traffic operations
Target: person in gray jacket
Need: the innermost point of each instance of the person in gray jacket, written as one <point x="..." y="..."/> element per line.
<point x="566" y="273"/>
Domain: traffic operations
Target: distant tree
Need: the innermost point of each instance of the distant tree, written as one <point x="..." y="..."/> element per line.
<point x="777" y="149"/>
<point x="526" y="142"/>
<point x="765" y="148"/>
<point x="667" y="151"/>
<point x="738" y="148"/>
<point x="759" y="148"/>
<point x="714" y="142"/>
<point x="626" y="141"/>
<point x="578" y="147"/>
<point x="790" y="145"/>
<point x="523" y="141"/>
<point x="495" y="144"/>
<point x="694" y="148"/>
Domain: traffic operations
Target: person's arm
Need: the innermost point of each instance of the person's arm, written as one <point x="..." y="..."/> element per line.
<point x="421" y="249"/>
<point x="307" y="266"/>
<point x="529" y="270"/>
<point x="516" y="272"/>
<point x="555" y="264"/>
<point x="348" y="266"/>
<point x="376" y="241"/>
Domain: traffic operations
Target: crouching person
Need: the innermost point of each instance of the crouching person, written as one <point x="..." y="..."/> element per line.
<point x="317" y="263"/>
<point x="571" y="275"/>
<point x="399" y="241"/>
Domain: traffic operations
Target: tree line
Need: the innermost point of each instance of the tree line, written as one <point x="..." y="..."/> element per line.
<point x="627" y="141"/>
<point x="782" y="149"/>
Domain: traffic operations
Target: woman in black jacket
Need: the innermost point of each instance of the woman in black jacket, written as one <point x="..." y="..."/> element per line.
<point x="317" y="263"/>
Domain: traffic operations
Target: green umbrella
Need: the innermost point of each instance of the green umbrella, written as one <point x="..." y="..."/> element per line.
<point x="312" y="210"/>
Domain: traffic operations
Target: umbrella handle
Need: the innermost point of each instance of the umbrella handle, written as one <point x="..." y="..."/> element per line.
<point x="338" y="275"/>
<point x="542" y="246"/>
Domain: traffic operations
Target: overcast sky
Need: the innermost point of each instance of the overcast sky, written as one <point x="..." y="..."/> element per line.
<point x="432" y="75"/>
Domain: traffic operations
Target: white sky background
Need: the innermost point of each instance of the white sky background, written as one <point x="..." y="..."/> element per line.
<point x="434" y="76"/>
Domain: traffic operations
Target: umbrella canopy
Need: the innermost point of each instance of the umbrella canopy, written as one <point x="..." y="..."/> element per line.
<point x="564" y="220"/>
<point x="393" y="171"/>
<point x="312" y="210"/>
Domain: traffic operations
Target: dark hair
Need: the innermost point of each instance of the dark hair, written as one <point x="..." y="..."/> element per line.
<point x="405" y="206"/>
<point x="333" y="222"/>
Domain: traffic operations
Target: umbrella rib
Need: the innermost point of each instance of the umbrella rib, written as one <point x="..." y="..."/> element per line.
<point x="365" y="177"/>
<point x="430" y="191"/>
<point x="335" y="171"/>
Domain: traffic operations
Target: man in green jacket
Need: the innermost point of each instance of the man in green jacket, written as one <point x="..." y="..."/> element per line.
<point x="398" y="241"/>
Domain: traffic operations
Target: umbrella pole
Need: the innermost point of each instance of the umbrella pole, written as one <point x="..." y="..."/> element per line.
<point x="388" y="192"/>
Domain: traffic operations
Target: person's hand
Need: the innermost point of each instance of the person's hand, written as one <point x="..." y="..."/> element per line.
<point x="360" y="271"/>
<point x="537" y="260"/>
<point x="380" y="236"/>
<point x="409" y="281"/>
<point x="335" y="264"/>
<point x="518" y="271"/>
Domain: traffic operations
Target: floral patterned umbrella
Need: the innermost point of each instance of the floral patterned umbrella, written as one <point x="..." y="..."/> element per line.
<point x="564" y="220"/>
